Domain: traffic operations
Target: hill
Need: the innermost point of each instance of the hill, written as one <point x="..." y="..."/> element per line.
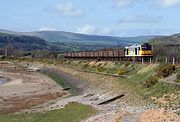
<point x="167" y="40"/>
<point x="22" y="42"/>
<point x="166" y="47"/>
<point x="61" y="36"/>
<point x="68" y="41"/>
<point x="87" y="42"/>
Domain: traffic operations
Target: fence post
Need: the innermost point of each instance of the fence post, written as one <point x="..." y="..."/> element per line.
<point x="156" y="60"/>
<point x="166" y="60"/>
<point x="133" y="60"/>
<point x="150" y="60"/>
<point x="142" y="60"/>
<point x="173" y="60"/>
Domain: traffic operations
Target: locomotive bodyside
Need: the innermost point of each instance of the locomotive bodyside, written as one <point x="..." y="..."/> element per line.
<point x="144" y="50"/>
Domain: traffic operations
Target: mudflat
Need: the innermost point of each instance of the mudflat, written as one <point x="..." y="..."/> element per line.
<point x="25" y="89"/>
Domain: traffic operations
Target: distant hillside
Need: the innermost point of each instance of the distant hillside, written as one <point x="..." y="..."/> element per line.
<point x="60" y="36"/>
<point x="167" y="40"/>
<point x="72" y="41"/>
<point x="167" y="47"/>
<point x="14" y="43"/>
<point x="88" y="41"/>
<point x="21" y="42"/>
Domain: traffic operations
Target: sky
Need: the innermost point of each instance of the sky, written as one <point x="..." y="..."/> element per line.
<point x="96" y="17"/>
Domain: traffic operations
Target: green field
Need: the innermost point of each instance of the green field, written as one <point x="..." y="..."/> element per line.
<point x="73" y="112"/>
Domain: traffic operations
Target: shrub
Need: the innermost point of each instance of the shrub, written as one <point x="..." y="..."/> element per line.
<point x="101" y="69"/>
<point x="42" y="60"/>
<point x="84" y="66"/>
<point x="178" y="77"/>
<point x="151" y="81"/>
<point x="121" y="72"/>
<point x="165" y="70"/>
<point x="99" y="65"/>
<point x="127" y="64"/>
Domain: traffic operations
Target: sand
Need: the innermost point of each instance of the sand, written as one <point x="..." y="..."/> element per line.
<point x="26" y="89"/>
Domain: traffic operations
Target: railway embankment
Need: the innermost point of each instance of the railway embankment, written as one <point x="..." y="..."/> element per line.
<point x="97" y="87"/>
<point x="144" y="79"/>
<point x="157" y="83"/>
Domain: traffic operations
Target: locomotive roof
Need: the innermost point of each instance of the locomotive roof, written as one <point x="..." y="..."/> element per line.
<point x="135" y="45"/>
<point x="138" y="45"/>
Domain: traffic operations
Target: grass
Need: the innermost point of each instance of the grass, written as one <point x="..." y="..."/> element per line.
<point x="178" y="75"/>
<point x="73" y="112"/>
<point x="55" y="77"/>
<point x="136" y="81"/>
<point x="163" y="88"/>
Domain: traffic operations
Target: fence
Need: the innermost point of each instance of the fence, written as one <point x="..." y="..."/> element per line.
<point x="166" y="60"/>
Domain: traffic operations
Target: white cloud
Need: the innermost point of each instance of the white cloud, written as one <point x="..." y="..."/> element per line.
<point x="168" y="3"/>
<point x="87" y="29"/>
<point x="128" y="3"/>
<point x="46" y="28"/>
<point x="90" y="29"/>
<point x="141" y="19"/>
<point x="68" y="9"/>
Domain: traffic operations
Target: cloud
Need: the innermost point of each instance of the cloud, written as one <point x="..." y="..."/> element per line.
<point x="168" y="3"/>
<point x="46" y="28"/>
<point x="87" y="29"/>
<point x="141" y="19"/>
<point x="163" y="3"/>
<point x="68" y="9"/>
<point x="90" y="29"/>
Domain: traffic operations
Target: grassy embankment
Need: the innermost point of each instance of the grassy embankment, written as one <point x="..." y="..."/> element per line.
<point x="73" y="112"/>
<point x="137" y="74"/>
<point x="53" y="74"/>
<point x="164" y="94"/>
<point x="141" y="79"/>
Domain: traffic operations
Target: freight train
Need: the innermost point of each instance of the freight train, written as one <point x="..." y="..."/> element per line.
<point x="137" y="51"/>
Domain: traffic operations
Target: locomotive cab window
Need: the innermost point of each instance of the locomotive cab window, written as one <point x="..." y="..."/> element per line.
<point x="136" y="51"/>
<point x="127" y="51"/>
<point x="146" y="47"/>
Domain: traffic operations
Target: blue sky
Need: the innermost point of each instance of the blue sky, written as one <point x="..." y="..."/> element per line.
<point x="99" y="17"/>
